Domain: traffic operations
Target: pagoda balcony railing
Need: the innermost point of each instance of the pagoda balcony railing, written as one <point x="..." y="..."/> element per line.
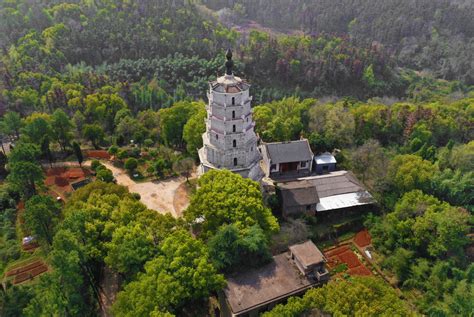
<point x="242" y="117"/>
<point x="225" y="105"/>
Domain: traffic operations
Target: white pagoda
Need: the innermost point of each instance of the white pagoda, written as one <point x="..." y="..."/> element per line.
<point x="230" y="141"/>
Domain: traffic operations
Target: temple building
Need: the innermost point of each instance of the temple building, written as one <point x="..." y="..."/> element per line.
<point x="230" y="141"/>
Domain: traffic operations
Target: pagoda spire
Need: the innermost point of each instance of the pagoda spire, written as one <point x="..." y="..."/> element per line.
<point x="229" y="64"/>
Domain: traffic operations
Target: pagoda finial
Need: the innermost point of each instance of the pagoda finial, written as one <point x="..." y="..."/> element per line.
<point x="229" y="64"/>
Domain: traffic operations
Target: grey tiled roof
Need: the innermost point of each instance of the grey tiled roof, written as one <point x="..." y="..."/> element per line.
<point x="308" y="253"/>
<point x="299" y="193"/>
<point x="336" y="183"/>
<point x="292" y="151"/>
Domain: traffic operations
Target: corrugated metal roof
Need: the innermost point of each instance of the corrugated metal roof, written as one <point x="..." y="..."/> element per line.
<point x="344" y="201"/>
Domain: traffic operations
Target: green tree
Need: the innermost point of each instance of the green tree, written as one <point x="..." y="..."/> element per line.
<point x="105" y="175"/>
<point x="103" y="107"/>
<point x="24" y="169"/>
<point x="93" y="133"/>
<point x="455" y="187"/>
<point x="181" y="273"/>
<point x="424" y="225"/>
<point x="232" y="249"/>
<point x="227" y="198"/>
<point x="37" y="126"/>
<point x="113" y="150"/>
<point x="13" y="124"/>
<point x="46" y="151"/>
<point x="334" y="122"/>
<point x="131" y="246"/>
<point x="77" y="152"/>
<point x="282" y="120"/>
<point x="62" y="128"/>
<point x="369" y="161"/>
<point x="184" y="167"/>
<point x="57" y="291"/>
<point x="41" y="217"/>
<point x="408" y="172"/>
<point x="172" y="121"/>
<point x="357" y="296"/>
<point x="131" y="164"/>
<point x="193" y="130"/>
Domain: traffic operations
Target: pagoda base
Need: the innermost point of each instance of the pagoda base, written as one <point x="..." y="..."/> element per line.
<point x="254" y="171"/>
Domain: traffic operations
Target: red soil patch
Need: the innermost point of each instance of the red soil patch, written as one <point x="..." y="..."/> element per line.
<point x="344" y="254"/>
<point x="61" y="181"/>
<point x="349" y="258"/>
<point x="30" y="274"/>
<point x="360" y="270"/>
<point x="30" y="247"/>
<point x="74" y="173"/>
<point x="336" y="251"/>
<point x="21" y="205"/>
<point x="24" y="268"/>
<point x="55" y="171"/>
<point x="100" y="154"/>
<point x="27" y="272"/>
<point x="62" y="177"/>
<point x="50" y="180"/>
<point x="363" y="238"/>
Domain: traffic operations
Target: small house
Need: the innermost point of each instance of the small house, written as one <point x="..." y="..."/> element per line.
<point x="325" y="163"/>
<point x="297" y="197"/>
<point x="287" y="159"/>
<point x="309" y="260"/>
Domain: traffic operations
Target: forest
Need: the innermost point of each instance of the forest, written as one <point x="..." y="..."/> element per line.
<point x="387" y="86"/>
<point x="436" y="36"/>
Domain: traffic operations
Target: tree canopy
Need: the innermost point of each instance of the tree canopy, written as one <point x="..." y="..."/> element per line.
<point x="224" y="197"/>
<point x="181" y="272"/>
<point x="355" y="296"/>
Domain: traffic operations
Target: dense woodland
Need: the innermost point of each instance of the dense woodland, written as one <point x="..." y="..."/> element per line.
<point x="434" y="35"/>
<point x="97" y="74"/>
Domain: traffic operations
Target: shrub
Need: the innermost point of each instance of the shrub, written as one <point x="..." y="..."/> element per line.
<point x="105" y="175"/>
<point x="113" y="150"/>
<point x="122" y="154"/>
<point x="148" y="142"/>
<point x="95" y="164"/>
<point x="131" y="164"/>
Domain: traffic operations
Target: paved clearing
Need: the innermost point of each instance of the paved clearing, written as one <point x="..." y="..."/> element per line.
<point x="157" y="195"/>
<point x="162" y="196"/>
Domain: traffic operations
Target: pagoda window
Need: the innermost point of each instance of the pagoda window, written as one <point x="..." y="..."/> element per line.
<point x="234" y="143"/>
<point x="235" y="161"/>
<point x="233" y="101"/>
<point x="233" y="128"/>
<point x="233" y="114"/>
